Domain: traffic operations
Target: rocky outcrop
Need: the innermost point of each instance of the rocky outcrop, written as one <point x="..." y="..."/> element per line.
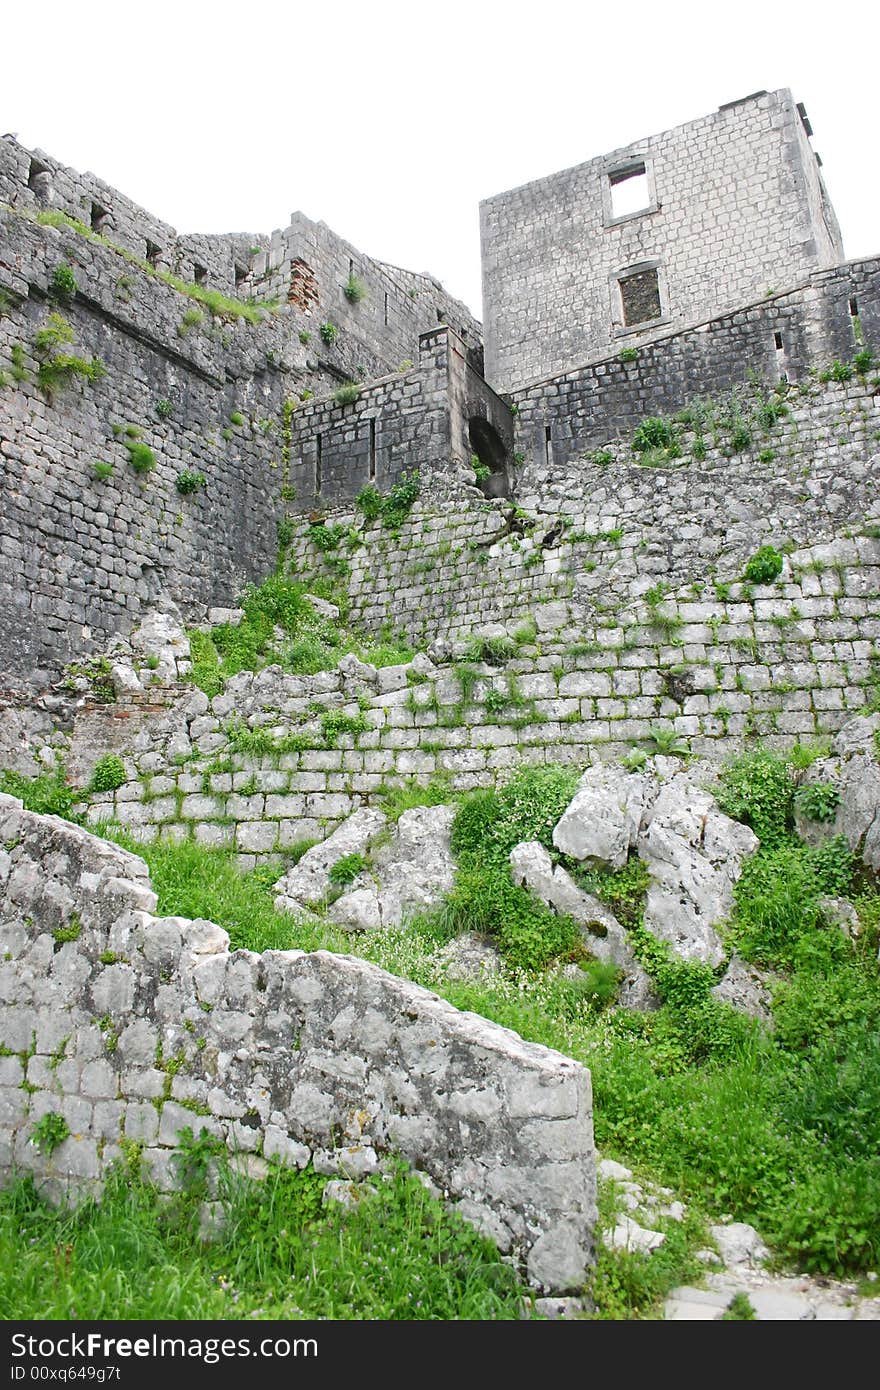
<point x="694" y="855"/>
<point x="854" y="772"/>
<point x="309" y="881"/>
<point x="604" y="937"/>
<point x="408" y="875"/>
<point x="602" y="823"/>
<point x="692" y="851"/>
<point x="745" y="989"/>
<point x="300" y="1057"/>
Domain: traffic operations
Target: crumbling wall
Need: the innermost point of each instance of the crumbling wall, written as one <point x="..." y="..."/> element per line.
<point x="131" y="1028"/>
<point x="734" y="209"/>
<point x="84" y="555"/>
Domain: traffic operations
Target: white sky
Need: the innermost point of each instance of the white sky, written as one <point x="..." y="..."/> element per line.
<point x="389" y="121"/>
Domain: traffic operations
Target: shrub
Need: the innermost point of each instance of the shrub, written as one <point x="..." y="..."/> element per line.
<point x="818" y="801"/>
<point x="347" y="869"/>
<point x="347" y="394"/>
<point x="399" y="503"/>
<point x="629" y="354"/>
<point x="653" y="433"/>
<point x="758" y="789"/>
<point x="101" y="470"/>
<point x="863" y="361"/>
<point x="764" y="566"/>
<point x="305" y="337"/>
<point x="108" y="774"/>
<point x="286" y="529"/>
<point x="369" y="500"/>
<point x="188" y="481"/>
<point x="487" y="825"/>
<point x="329" y="333"/>
<point x="164" y="408"/>
<point x="236" y="418"/>
<point x="47" y="795"/>
<point x="49" y="1133"/>
<point x="140" y="456"/>
<point x="56" y="332"/>
<point x="354" y="289"/>
<point x="63" y="284"/>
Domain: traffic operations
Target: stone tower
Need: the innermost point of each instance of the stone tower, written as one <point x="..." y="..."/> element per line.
<point x="660" y="235"/>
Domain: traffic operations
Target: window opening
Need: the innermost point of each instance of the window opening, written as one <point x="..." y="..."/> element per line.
<point x="640" y="297"/>
<point x="629" y="190"/>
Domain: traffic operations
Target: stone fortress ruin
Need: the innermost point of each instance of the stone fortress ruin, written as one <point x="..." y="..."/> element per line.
<point x="675" y="370"/>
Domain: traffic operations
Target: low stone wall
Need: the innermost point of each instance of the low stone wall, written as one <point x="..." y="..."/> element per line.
<point x="788" y="334"/>
<point x="132" y="1028"/>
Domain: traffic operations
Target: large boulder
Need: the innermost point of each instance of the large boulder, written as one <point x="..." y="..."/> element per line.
<point x="410" y="874"/>
<point x="602" y="822"/>
<point x="604" y="937"/>
<point x="853" y="770"/>
<point x="309" y="881"/>
<point x="744" y="988"/>
<point x="694" y="855"/>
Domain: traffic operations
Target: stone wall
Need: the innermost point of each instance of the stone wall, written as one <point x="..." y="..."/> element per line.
<point x="414" y="421"/>
<point x="616" y="602"/>
<point x="309" y="266"/>
<point x="132" y="1028"/>
<point x="786" y="336"/>
<point x="84" y="556"/>
<point x="735" y="208"/>
<point x="204" y="387"/>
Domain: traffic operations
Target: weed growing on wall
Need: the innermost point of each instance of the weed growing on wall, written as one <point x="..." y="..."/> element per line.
<point x="764" y="566"/>
<point x="108" y="774"/>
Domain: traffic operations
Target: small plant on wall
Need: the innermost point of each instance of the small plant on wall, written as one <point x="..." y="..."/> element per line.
<point x="764" y="567"/>
<point x="188" y="482"/>
<point x="347" y="394"/>
<point x="354" y="289"/>
<point x="329" y="333"/>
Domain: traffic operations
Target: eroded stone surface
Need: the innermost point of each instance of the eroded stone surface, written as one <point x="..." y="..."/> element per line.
<point x="326" y="1057"/>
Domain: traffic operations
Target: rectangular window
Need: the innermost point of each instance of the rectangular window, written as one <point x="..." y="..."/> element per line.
<point x="629" y="190"/>
<point x="640" y="297"/>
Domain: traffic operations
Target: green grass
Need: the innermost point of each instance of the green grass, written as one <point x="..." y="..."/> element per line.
<point x="47" y="795"/>
<point x="281" y="1255"/>
<point x="196" y="881"/>
<point x="312" y="643"/>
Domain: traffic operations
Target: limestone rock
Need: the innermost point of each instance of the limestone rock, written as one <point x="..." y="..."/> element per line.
<point x="694" y="854"/>
<point x="161" y="636"/>
<point x="839" y="912"/>
<point x="416" y="869"/>
<point x="739" y="1244"/>
<point x="124" y="679"/>
<point x="627" y="1234"/>
<point x="309" y="880"/>
<point x="603" y="820"/>
<point x="322" y="607"/>
<point x="745" y="989"/>
<point x="603" y="935"/>
<point x="853" y="769"/>
<point x="410" y="874"/>
<point x="358" y="910"/>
